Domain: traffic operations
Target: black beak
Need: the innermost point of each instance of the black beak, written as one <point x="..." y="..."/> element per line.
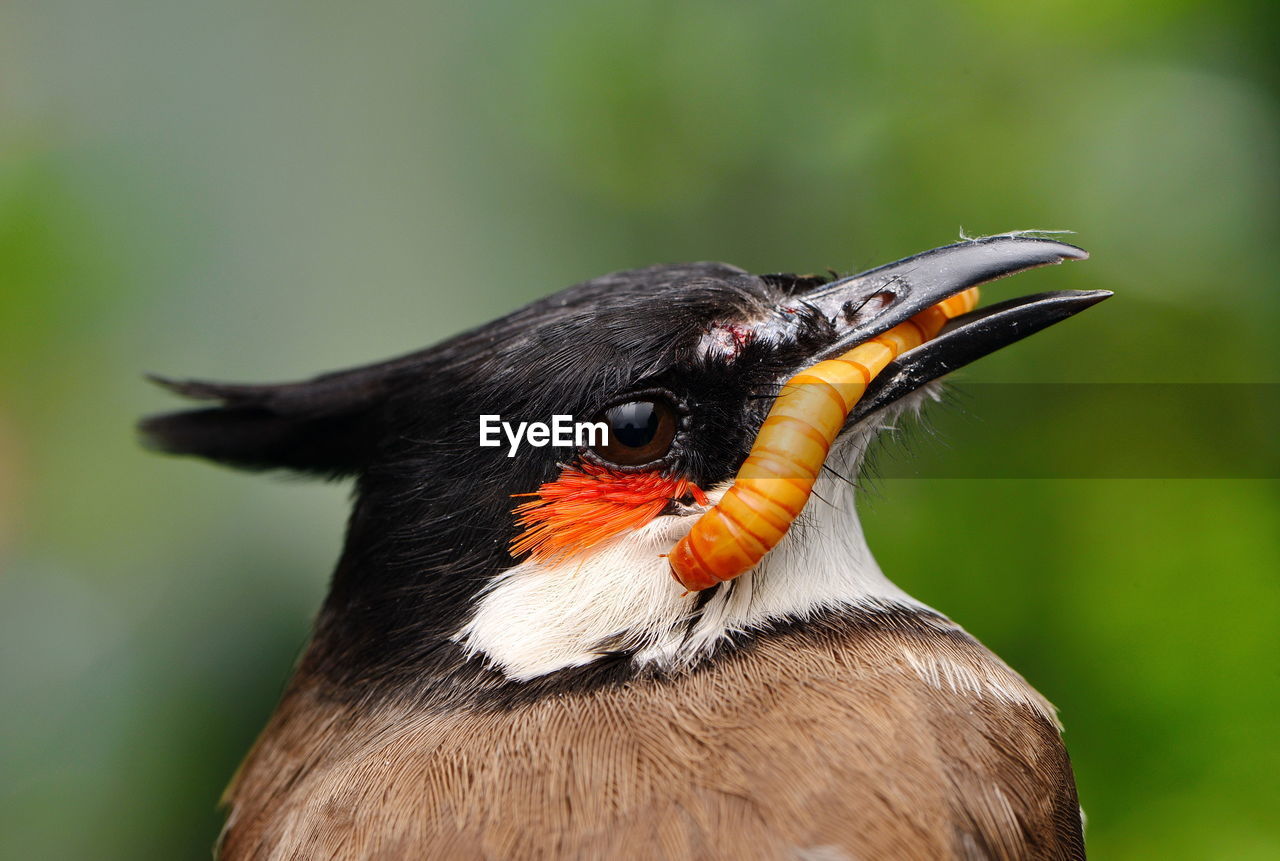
<point x="972" y="336"/>
<point x="875" y="301"/>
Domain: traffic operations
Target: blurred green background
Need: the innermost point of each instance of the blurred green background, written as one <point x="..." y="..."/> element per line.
<point x="260" y="191"/>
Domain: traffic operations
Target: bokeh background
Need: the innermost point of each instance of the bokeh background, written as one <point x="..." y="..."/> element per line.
<point x="264" y="190"/>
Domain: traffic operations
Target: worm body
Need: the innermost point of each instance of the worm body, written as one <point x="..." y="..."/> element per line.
<point x="776" y="479"/>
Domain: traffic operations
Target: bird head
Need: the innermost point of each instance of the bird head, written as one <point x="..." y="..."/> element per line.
<point x="525" y="564"/>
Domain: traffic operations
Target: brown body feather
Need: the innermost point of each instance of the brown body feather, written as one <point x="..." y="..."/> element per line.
<point x="862" y="741"/>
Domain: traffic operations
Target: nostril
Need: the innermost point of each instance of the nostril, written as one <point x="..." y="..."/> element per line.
<point x="868" y="307"/>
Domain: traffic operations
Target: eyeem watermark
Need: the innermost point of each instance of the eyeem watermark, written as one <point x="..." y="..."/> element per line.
<point x="562" y="432"/>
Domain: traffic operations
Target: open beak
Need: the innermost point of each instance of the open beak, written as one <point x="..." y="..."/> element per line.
<point x="876" y="357"/>
<point x="875" y="301"/>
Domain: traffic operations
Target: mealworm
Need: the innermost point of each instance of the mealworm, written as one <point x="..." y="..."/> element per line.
<point x="774" y="483"/>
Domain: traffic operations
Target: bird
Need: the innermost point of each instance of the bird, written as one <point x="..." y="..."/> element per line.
<point x="504" y="666"/>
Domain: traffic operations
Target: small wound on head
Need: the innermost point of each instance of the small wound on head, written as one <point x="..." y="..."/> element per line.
<point x="727" y="339"/>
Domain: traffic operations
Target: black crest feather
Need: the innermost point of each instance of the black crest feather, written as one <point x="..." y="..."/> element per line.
<point x="320" y="426"/>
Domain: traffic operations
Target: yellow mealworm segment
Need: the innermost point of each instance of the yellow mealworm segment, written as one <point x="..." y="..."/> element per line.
<point x="777" y="478"/>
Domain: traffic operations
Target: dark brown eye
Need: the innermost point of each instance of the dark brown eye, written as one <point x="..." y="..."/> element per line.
<point x="640" y="432"/>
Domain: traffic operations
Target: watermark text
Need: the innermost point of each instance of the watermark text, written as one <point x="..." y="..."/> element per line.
<point x="563" y="431"/>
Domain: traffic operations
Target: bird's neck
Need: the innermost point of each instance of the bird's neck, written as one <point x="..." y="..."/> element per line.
<point x="538" y="618"/>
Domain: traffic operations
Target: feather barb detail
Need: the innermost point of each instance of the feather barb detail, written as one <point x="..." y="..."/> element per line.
<point x="588" y="503"/>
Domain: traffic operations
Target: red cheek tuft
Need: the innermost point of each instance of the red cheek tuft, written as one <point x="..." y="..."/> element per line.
<point x="589" y="503"/>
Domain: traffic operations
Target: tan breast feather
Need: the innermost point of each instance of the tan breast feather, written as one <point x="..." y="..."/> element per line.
<point x="858" y="743"/>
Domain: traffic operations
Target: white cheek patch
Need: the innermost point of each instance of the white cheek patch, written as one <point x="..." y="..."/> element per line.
<point x="538" y="617"/>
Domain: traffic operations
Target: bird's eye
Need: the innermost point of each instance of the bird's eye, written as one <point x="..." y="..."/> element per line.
<point x="640" y="432"/>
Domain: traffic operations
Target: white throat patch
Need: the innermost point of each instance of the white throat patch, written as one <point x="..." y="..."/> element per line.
<point x="536" y="617"/>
